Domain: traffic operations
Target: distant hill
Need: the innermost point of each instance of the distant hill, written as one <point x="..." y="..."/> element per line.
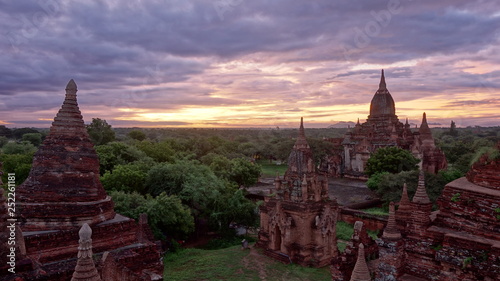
<point x="342" y="124"/>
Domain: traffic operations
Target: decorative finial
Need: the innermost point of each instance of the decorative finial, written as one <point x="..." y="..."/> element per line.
<point x="301" y="130"/>
<point x="382" y="85"/>
<point x="71" y="86"/>
<point x="358" y="122"/>
<point x="85" y="232"/>
<point x="85" y="268"/>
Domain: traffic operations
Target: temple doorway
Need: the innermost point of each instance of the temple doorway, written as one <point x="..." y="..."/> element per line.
<point x="277" y="238"/>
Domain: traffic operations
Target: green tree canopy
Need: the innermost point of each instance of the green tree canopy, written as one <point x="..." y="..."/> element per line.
<point x="34" y="138"/>
<point x="166" y="214"/>
<point x="20" y="164"/>
<point x="137" y="135"/>
<point x="115" y="153"/>
<point x="3" y="141"/>
<point x="100" y="131"/>
<point x="244" y="172"/>
<point x="19" y="132"/>
<point x="19" y="148"/>
<point x="158" y="151"/>
<point x="126" y="177"/>
<point x="391" y="159"/>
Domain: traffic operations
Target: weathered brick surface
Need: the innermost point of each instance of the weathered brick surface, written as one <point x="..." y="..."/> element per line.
<point x="370" y="221"/>
<point x="461" y="241"/>
<point x="298" y="221"/>
<point x="63" y="189"/>
<point x="62" y="193"/>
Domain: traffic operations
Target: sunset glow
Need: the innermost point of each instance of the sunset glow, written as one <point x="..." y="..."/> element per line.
<point x="258" y="64"/>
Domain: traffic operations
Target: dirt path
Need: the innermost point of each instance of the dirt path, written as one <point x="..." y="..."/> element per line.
<point x="253" y="261"/>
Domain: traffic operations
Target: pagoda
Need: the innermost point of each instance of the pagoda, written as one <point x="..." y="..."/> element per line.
<point x="61" y="195"/>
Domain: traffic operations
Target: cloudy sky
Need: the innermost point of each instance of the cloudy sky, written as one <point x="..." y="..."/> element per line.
<point x="236" y="63"/>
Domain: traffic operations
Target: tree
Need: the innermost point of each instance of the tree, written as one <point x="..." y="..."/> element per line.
<point x="5" y="132"/>
<point x="18" y="133"/>
<point x="244" y="172"/>
<point x="453" y="129"/>
<point x="391" y="159"/>
<point x="137" y="135"/>
<point x="34" y="138"/>
<point x="19" y="148"/>
<point x="115" y="153"/>
<point x="100" y="131"/>
<point x="20" y="164"/>
<point x="172" y="178"/>
<point x="3" y="141"/>
<point x="166" y="214"/>
<point x="127" y="177"/>
<point x="159" y="151"/>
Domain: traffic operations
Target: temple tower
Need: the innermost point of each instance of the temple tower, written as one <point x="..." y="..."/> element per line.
<point x="298" y="221"/>
<point x="63" y="189"/>
<point x="382" y="129"/>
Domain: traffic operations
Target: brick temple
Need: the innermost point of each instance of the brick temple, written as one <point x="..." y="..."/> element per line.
<point x="298" y="220"/>
<point x="382" y="129"/>
<point x="61" y="194"/>
<point x="460" y="241"/>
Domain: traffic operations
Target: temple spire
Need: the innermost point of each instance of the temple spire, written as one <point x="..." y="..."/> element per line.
<point x="301" y="129"/>
<point x="382" y="85"/>
<point x="421" y="195"/>
<point x="301" y="138"/>
<point x="391" y="231"/>
<point x="85" y="267"/>
<point x="424" y="129"/>
<point x="361" y="271"/>
<point x="405" y="200"/>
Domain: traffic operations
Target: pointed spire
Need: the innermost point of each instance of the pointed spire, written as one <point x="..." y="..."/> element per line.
<point x="407" y="121"/>
<point x="404" y="197"/>
<point x="85" y="267"/>
<point x="358" y="122"/>
<point x="391" y="231"/>
<point x="421" y="195"/>
<point x="69" y="120"/>
<point x="361" y="271"/>
<point x="301" y="141"/>
<point x="301" y="129"/>
<point x="71" y="86"/>
<point x="424" y="129"/>
<point x="382" y="85"/>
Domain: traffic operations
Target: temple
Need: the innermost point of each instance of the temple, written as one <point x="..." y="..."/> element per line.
<point x="460" y="241"/>
<point x="298" y="220"/>
<point x="61" y="195"/>
<point x="382" y="129"/>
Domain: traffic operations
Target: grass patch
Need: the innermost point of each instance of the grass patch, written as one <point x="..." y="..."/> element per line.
<point x="270" y="169"/>
<point x="221" y="243"/>
<point x="372" y="233"/>
<point x="198" y="264"/>
<point x="234" y="264"/>
<point x="341" y="246"/>
<point x="344" y="230"/>
<point x="376" y="211"/>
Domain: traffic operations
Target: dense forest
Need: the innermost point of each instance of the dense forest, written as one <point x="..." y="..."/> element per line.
<point x="190" y="181"/>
